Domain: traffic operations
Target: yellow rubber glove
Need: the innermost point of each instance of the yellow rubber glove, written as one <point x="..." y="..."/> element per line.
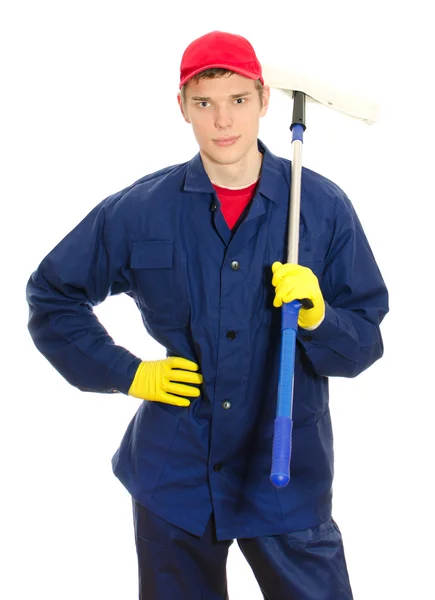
<point x="154" y="380"/>
<point x="295" y="282"/>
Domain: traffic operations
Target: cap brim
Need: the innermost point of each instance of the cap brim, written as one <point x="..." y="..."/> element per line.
<point x="242" y="72"/>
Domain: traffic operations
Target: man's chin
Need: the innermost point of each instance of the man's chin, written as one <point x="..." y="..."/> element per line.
<point x="225" y="156"/>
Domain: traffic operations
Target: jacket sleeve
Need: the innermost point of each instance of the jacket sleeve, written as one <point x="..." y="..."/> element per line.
<point x="88" y="265"/>
<point x="349" y="340"/>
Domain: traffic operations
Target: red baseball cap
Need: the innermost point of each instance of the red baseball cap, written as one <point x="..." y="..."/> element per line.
<point x="220" y="50"/>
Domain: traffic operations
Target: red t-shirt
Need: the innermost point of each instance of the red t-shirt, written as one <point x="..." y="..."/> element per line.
<point x="234" y="202"/>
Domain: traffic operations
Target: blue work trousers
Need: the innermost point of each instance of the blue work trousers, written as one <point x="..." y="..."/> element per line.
<point x="176" y="565"/>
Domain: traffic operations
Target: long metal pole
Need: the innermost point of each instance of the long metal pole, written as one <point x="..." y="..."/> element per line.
<point x="283" y="425"/>
<point x="295" y="204"/>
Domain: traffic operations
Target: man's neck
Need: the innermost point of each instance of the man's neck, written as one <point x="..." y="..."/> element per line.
<point x="238" y="175"/>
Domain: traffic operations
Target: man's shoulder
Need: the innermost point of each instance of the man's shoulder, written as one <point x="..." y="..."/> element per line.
<point x="325" y="195"/>
<point x="313" y="182"/>
<point x="320" y="194"/>
<point x="155" y="184"/>
<point x="166" y="176"/>
<point x="316" y="182"/>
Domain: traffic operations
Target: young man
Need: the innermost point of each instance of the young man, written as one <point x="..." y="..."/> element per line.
<point x="201" y="248"/>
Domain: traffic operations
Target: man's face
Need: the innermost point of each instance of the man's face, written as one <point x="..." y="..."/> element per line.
<point x="221" y="108"/>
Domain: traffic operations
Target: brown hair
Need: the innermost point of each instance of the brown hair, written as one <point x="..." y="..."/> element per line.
<point x="217" y="72"/>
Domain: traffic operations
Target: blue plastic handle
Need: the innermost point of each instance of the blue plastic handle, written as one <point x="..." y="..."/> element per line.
<point x="281" y="450"/>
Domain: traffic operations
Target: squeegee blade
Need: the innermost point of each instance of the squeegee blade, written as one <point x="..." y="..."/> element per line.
<point x="352" y="105"/>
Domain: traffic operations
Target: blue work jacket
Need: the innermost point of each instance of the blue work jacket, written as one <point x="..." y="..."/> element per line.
<point x="205" y="293"/>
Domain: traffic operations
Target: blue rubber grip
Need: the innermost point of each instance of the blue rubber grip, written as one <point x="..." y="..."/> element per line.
<point x="281" y="451"/>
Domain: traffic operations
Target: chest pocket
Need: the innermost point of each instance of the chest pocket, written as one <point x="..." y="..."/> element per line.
<point x="160" y="275"/>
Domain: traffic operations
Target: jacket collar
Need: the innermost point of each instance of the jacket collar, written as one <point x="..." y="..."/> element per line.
<point x="271" y="177"/>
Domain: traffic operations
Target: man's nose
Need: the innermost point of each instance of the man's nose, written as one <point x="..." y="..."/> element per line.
<point x="223" y="118"/>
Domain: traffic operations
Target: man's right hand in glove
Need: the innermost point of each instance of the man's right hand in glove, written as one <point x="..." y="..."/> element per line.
<point x="155" y="380"/>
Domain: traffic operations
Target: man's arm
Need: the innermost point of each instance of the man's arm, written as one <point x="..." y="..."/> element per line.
<point x="88" y="265"/>
<point x="348" y="340"/>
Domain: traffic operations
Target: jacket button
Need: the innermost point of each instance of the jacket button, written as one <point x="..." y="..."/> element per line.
<point x="115" y="391"/>
<point x="226" y="404"/>
<point x="231" y="335"/>
<point x="217" y="467"/>
<point x="235" y="265"/>
<point x="214" y="207"/>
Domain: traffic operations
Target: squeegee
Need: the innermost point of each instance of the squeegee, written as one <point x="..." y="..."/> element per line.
<point x="300" y="88"/>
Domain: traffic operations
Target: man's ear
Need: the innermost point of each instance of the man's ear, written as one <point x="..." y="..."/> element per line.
<point x="266" y="100"/>
<point x="180" y="104"/>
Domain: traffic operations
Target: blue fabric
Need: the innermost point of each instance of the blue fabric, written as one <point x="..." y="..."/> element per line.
<point x="174" y="564"/>
<point x="164" y="242"/>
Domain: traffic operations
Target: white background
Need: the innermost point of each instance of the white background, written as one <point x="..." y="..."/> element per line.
<point x="89" y="106"/>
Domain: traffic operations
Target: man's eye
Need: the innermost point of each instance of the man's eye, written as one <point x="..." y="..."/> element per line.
<point x="203" y="103"/>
